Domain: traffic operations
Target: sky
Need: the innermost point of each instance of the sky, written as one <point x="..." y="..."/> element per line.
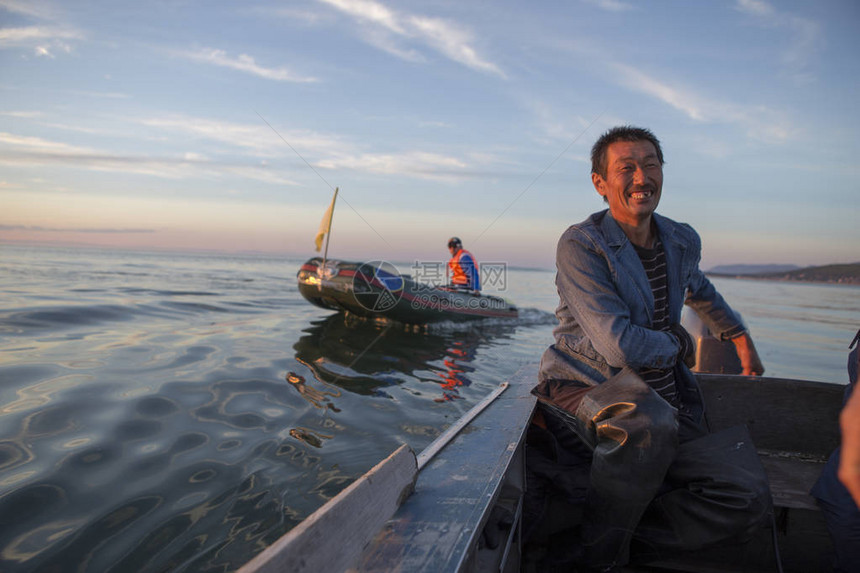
<point x="226" y="125"/>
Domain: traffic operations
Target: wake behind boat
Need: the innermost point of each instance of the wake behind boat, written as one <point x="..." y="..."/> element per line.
<point x="377" y="289"/>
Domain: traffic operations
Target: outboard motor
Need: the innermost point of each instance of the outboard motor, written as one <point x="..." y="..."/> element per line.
<point x="713" y="356"/>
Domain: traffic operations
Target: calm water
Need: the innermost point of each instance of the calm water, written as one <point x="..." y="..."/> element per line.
<point x="180" y="412"/>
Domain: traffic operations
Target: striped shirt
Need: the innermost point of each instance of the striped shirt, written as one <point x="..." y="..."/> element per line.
<point x="662" y="380"/>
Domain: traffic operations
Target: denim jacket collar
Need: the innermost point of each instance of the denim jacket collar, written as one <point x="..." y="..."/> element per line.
<point x="673" y="247"/>
<point x="611" y="230"/>
<point x="615" y="236"/>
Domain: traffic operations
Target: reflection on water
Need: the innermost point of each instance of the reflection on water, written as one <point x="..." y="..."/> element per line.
<point x="459" y="354"/>
<point x="365" y="357"/>
<point x="193" y="452"/>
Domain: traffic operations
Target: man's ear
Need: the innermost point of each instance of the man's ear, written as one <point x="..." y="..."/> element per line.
<point x="599" y="184"/>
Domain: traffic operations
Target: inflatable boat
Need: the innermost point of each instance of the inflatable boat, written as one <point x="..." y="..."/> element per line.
<point x="376" y="289"/>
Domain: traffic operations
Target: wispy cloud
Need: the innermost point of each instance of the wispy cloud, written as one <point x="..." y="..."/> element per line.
<point x="40" y="229"/>
<point x="320" y="150"/>
<point x="32" y="8"/>
<point x="28" y="151"/>
<point x="453" y="41"/>
<point x="29" y="34"/>
<point x="106" y="95"/>
<point x="611" y="5"/>
<point x="39" y="145"/>
<point x="244" y="63"/>
<point x="756" y="8"/>
<point x="255" y="138"/>
<point x="558" y="125"/>
<point x="216" y="142"/>
<point x="681" y="99"/>
<point x="389" y="30"/>
<point x="23" y="114"/>
<point x="416" y="164"/>
<point x="805" y="35"/>
<point x="758" y="121"/>
<point x="46" y="38"/>
<point x="45" y="41"/>
<point x="434" y="124"/>
<point x="294" y="15"/>
<point x="370" y="11"/>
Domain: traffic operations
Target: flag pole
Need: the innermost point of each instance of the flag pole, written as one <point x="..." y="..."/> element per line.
<point x="328" y="235"/>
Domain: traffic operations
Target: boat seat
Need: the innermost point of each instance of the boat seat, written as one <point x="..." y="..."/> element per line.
<point x="794" y="424"/>
<point x="791" y="479"/>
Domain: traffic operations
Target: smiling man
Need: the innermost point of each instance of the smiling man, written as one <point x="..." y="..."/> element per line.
<point x="615" y="392"/>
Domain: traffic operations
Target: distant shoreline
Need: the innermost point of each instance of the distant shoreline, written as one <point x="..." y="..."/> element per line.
<point x="840" y="274"/>
<point x="844" y="281"/>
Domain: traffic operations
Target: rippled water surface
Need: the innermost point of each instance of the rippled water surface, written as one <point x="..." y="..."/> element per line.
<point x="180" y="412"/>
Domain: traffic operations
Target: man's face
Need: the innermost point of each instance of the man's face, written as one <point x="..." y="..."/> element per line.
<point x="633" y="182"/>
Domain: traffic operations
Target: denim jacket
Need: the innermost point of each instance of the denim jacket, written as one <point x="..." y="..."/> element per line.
<point x="606" y="305"/>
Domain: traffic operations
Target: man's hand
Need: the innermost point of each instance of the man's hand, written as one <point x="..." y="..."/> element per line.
<point x="687" y="352"/>
<point x="849" y="460"/>
<point x="750" y="362"/>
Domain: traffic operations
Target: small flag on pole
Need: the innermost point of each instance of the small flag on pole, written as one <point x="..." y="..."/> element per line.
<point x="325" y="224"/>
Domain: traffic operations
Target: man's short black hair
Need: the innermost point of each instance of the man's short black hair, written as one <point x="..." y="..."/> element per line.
<point x="620" y="133"/>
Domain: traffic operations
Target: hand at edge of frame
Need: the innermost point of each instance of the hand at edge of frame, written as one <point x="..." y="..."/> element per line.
<point x="849" y="460"/>
<point x="750" y="361"/>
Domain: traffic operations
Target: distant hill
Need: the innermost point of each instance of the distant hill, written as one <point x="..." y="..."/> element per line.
<point x="843" y="274"/>
<point x="751" y="269"/>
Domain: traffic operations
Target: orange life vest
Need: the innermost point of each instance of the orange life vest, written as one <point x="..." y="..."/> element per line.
<point x="466" y="273"/>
